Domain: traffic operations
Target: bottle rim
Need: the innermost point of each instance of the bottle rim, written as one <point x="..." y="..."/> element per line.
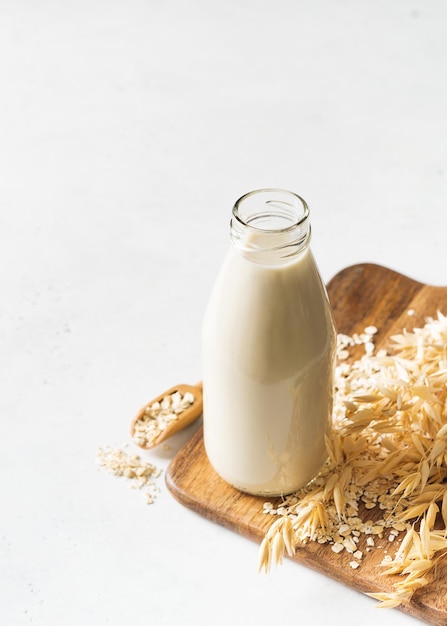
<point x="298" y="206"/>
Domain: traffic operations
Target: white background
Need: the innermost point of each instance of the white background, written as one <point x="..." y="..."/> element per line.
<point x="128" y="128"/>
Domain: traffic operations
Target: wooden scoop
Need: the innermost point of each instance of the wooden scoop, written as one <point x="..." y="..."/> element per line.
<point x="183" y="418"/>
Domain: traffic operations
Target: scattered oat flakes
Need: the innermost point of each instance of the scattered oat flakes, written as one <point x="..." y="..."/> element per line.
<point x="141" y="474"/>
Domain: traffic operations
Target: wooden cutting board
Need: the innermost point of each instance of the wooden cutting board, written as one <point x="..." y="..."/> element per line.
<point x="361" y="295"/>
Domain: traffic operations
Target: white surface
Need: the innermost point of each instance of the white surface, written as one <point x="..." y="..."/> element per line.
<point x="127" y="130"/>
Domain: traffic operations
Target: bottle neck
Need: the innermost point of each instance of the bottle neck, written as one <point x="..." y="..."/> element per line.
<point x="270" y="226"/>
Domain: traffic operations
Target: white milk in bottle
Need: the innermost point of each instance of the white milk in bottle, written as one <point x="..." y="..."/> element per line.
<point x="268" y="351"/>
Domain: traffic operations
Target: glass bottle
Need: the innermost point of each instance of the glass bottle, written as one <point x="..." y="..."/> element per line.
<point x="268" y="350"/>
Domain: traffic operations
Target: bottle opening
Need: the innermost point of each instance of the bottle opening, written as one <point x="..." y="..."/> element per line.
<point x="271" y="210"/>
<point x="270" y="225"/>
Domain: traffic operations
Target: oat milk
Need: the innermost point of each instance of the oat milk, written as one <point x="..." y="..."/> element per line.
<point x="268" y="349"/>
